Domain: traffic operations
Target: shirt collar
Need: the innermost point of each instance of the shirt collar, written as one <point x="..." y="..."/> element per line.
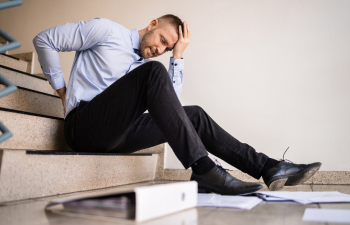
<point x="135" y="39"/>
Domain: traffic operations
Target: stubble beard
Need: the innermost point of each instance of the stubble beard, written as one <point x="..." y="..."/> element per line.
<point x="144" y="44"/>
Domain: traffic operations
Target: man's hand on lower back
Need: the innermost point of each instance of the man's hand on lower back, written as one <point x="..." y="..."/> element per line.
<point x="183" y="42"/>
<point x="62" y="93"/>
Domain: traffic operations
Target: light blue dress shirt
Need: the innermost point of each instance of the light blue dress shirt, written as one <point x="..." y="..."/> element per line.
<point x="104" y="53"/>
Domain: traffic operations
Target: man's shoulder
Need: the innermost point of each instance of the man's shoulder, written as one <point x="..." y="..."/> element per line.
<point x="103" y="22"/>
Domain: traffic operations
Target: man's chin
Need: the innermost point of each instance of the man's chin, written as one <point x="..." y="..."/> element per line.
<point x="145" y="56"/>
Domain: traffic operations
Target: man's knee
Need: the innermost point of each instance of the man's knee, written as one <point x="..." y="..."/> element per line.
<point x="158" y="69"/>
<point x="194" y="111"/>
<point x="155" y="65"/>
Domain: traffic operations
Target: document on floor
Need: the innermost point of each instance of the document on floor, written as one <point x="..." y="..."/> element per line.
<point x="305" y="197"/>
<point x="327" y="215"/>
<point x="226" y="201"/>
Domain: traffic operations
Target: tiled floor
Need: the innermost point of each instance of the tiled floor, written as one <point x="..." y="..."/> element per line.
<point x="31" y="212"/>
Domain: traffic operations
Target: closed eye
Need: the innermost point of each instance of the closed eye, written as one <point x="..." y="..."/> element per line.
<point x="165" y="42"/>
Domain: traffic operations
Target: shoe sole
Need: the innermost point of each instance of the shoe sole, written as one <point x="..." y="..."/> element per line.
<point x="292" y="180"/>
<point x="203" y="190"/>
<point x="303" y="176"/>
<point x="277" y="184"/>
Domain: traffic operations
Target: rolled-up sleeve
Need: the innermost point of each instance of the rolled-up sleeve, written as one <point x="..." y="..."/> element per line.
<point x="65" y="38"/>
<point x="176" y="67"/>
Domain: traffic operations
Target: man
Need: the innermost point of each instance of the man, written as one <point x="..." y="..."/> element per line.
<point x="113" y="82"/>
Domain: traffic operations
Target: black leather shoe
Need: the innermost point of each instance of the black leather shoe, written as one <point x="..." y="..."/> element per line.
<point x="219" y="181"/>
<point x="289" y="174"/>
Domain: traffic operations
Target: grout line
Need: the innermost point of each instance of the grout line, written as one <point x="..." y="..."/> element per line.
<point x="318" y="204"/>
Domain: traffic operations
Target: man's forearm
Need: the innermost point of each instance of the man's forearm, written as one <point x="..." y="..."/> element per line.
<point x="62" y="92"/>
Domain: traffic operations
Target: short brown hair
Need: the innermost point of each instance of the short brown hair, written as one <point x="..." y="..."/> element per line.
<point x="172" y="20"/>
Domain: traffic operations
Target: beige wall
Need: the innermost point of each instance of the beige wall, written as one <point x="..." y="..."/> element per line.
<point x="272" y="73"/>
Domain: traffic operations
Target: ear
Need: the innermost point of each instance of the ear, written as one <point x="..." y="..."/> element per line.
<point x="154" y="23"/>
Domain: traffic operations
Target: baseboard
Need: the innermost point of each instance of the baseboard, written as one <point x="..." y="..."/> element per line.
<point x="321" y="177"/>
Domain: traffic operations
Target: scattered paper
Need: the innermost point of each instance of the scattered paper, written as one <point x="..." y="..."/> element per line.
<point x="274" y="199"/>
<point x="305" y="197"/>
<point x="327" y="215"/>
<point x="215" y="200"/>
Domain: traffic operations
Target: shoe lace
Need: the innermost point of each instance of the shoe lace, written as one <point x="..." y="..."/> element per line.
<point x="218" y="165"/>
<point x="285" y="160"/>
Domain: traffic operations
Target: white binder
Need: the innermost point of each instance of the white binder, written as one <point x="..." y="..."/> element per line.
<point x="151" y="201"/>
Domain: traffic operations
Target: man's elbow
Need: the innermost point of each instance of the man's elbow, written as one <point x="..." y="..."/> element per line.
<point x="37" y="42"/>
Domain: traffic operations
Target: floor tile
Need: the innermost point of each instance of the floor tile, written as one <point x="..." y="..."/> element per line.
<point x="341" y="188"/>
<point x="269" y="213"/>
<point x="16" y="202"/>
<point x="25" y="213"/>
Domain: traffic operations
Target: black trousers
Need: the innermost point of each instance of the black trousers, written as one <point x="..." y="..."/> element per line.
<point x="114" y="122"/>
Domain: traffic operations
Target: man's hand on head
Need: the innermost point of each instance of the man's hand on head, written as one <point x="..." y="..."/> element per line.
<point x="62" y="93"/>
<point x="183" y="42"/>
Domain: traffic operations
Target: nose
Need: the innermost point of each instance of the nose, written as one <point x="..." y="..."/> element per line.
<point x="161" y="50"/>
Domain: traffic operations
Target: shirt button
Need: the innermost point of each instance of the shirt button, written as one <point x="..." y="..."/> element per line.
<point x="175" y="64"/>
<point x="174" y="82"/>
<point x="172" y="63"/>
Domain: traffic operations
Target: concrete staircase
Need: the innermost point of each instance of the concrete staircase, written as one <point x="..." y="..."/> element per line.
<point x="37" y="161"/>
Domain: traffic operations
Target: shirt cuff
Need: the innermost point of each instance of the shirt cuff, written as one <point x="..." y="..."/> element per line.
<point x="57" y="83"/>
<point x="176" y="64"/>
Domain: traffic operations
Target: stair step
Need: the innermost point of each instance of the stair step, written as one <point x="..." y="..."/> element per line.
<point x="32" y="101"/>
<point x="42" y="133"/>
<point x="13" y="62"/>
<point x="26" y="80"/>
<point x="24" y="176"/>
<point x="28" y="57"/>
<point x="39" y="75"/>
<point x="33" y="131"/>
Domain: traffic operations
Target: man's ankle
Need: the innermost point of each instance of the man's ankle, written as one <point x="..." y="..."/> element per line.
<point x="268" y="165"/>
<point x="202" y="165"/>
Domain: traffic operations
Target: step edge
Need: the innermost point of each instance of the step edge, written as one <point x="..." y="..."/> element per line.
<point x="58" y="153"/>
<point x="29" y="114"/>
<point x="10" y="56"/>
<point x="24" y="73"/>
<point x="38" y="92"/>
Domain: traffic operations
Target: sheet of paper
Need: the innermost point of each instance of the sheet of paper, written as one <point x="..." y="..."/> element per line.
<point x="274" y="199"/>
<point x="215" y="200"/>
<point x="332" y="198"/>
<point x="306" y="197"/>
<point x="327" y="215"/>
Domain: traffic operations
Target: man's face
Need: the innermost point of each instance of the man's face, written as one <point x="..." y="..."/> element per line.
<point x="157" y="41"/>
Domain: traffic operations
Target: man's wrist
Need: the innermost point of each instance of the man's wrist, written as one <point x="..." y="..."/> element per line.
<point x="61" y="91"/>
<point x="177" y="56"/>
